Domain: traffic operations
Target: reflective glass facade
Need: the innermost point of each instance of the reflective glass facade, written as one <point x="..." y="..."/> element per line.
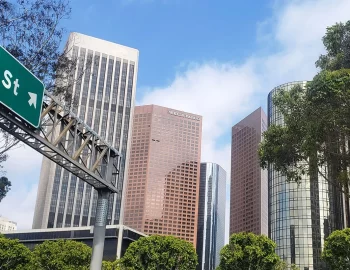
<point x="103" y="87"/>
<point x="249" y="202"/>
<point x="300" y="216"/>
<point x="211" y="216"/>
<point x="163" y="180"/>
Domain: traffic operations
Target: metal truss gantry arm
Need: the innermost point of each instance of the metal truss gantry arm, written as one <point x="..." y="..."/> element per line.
<point x="66" y="140"/>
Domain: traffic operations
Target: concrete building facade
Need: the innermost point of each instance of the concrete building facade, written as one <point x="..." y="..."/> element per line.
<point x="163" y="181"/>
<point x="7" y="225"/>
<point x="103" y="87"/>
<point x="249" y="187"/>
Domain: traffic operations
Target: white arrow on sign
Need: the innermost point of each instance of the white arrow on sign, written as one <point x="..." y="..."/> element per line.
<point x="33" y="98"/>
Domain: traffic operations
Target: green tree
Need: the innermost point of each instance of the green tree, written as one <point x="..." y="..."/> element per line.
<point x="160" y="253"/>
<point x="13" y="255"/>
<point x="282" y="265"/>
<point x="107" y="265"/>
<point x="315" y="137"/>
<point x="337" y="44"/>
<point x="316" y="133"/>
<point x="336" y="252"/>
<point x="247" y="251"/>
<point x="61" y="255"/>
<point x="5" y="186"/>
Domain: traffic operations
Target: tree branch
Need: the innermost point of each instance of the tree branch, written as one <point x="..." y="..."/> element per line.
<point x="9" y="147"/>
<point x="333" y="184"/>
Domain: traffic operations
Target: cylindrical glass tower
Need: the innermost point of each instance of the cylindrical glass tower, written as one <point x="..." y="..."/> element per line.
<point x="300" y="216"/>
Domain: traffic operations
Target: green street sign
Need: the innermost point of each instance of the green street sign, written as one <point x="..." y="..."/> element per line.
<point x="20" y="90"/>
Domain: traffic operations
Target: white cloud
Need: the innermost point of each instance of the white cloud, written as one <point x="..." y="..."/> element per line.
<point x="297" y="30"/>
<point x="212" y="90"/>
<point x="23" y="170"/>
<point x="19" y="205"/>
<point x="303" y="23"/>
<point x="223" y="93"/>
<point x="23" y="158"/>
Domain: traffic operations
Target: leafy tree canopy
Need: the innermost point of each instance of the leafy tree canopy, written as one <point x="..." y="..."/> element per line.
<point x="5" y="186"/>
<point x="160" y="253"/>
<point x="336" y="251"/>
<point x="13" y="255"/>
<point x="107" y="265"/>
<point x="316" y="128"/>
<point x="282" y="265"/>
<point x="316" y="118"/>
<point x="61" y="255"/>
<point x="314" y="138"/>
<point x="247" y="251"/>
<point x="337" y="44"/>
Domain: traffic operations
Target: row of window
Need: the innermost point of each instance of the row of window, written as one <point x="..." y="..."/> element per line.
<point x="103" y="85"/>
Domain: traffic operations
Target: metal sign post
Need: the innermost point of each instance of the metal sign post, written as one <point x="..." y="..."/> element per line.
<point x="100" y="221"/>
<point x="100" y="229"/>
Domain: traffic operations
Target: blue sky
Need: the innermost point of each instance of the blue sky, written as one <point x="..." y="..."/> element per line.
<point x="169" y="33"/>
<point x="217" y="58"/>
<point x="172" y="34"/>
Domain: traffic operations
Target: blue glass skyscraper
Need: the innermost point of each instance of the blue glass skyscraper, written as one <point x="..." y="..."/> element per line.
<point x="211" y="215"/>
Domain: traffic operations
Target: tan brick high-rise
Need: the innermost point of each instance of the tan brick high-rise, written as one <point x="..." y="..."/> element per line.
<point x="249" y="186"/>
<point x="164" y="169"/>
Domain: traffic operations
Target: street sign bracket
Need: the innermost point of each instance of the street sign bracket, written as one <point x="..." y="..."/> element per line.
<point x="60" y="153"/>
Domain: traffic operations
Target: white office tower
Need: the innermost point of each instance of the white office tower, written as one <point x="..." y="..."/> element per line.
<point x="7" y="225"/>
<point x="104" y="93"/>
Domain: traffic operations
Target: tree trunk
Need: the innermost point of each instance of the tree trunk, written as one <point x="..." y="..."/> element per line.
<point x="336" y="191"/>
<point x="347" y="208"/>
<point x="315" y="210"/>
<point x="346" y="183"/>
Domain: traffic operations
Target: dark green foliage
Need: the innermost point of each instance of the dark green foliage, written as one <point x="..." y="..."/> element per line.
<point x="5" y="186"/>
<point x="336" y="251"/>
<point x="50" y="255"/>
<point x="282" y="265"/>
<point x="247" y="251"/>
<point x="316" y="126"/>
<point x="13" y="255"/>
<point x="313" y="140"/>
<point x="106" y="265"/>
<point x="160" y="253"/>
<point x="315" y="136"/>
<point x="337" y="44"/>
<point x="61" y="255"/>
